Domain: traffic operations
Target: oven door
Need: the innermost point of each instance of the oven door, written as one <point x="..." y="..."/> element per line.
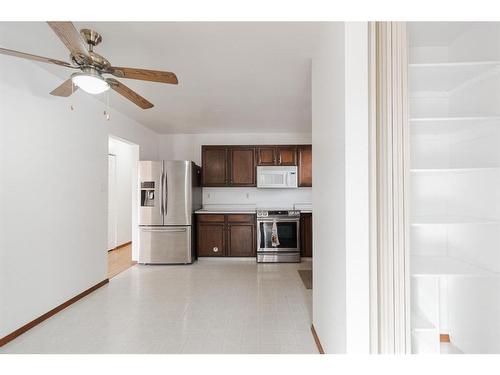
<point x="288" y="235"/>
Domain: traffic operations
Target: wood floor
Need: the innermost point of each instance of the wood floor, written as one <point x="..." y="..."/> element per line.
<point x="119" y="260"/>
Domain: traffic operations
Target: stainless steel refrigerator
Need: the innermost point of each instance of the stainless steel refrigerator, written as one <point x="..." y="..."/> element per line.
<point x="170" y="193"/>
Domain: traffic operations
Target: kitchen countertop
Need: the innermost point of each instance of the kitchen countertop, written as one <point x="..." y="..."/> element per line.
<point x="236" y="209"/>
<point x="224" y="211"/>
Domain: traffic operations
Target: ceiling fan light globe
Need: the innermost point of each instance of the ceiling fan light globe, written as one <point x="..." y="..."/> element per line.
<point x="90" y="83"/>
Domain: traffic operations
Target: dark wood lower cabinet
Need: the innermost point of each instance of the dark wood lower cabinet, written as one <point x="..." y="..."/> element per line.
<point x="241" y="240"/>
<point x="306" y="235"/>
<point x="226" y="235"/>
<point x="211" y="240"/>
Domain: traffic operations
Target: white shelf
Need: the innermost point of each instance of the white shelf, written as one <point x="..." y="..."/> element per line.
<point x="453" y="170"/>
<point x="449" y="348"/>
<point x="425" y="265"/>
<point x="447" y="125"/>
<point x="419" y="322"/>
<point x="445" y="77"/>
<point x="470" y="120"/>
<point x="431" y="220"/>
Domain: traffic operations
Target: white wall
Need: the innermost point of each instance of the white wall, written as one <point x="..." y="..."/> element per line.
<point x="53" y="191"/>
<point x="269" y="198"/>
<point x="357" y="187"/>
<point x="132" y="132"/>
<point x="340" y="189"/>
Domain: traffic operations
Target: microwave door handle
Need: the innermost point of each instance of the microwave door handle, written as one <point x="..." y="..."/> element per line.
<point x="287" y="179"/>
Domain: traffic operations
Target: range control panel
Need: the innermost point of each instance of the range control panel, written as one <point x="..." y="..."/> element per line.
<point x="266" y="213"/>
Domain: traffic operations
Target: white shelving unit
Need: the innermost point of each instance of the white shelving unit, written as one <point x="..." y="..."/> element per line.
<point x="454" y="170"/>
<point x="448" y="76"/>
<point x="451" y="220"/>
<point x="454" y="96"/>
<point x="422" y="265"/>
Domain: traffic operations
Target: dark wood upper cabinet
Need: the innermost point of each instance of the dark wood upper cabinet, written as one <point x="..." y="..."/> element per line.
<point x="286" y="155"/>
<point x="214" y="166"/>
<point x="242" y="166"/>
<point x="304" y="153"/>
<point x="226" y="165"/>
<point x="266" y="155"/>
<point x="277" y="155"/>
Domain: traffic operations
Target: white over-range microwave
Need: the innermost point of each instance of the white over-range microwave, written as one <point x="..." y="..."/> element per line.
<point x="279" y="177"/>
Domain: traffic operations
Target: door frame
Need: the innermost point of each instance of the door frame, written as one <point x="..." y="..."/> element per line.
<point x="112" y="192"/>
<point x="389" y="180"/>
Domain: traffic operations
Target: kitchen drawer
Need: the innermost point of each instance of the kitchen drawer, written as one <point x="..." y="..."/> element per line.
<point x="241" y="218"/>
<point x="210" y="218"/>
<point x="165" y="245"/>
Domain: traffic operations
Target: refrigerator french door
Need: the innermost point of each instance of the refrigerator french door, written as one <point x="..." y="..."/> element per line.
<point x="170" y="193"/>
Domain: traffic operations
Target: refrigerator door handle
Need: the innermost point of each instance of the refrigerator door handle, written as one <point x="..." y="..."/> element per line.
<point x="161" y="194"/>
<point x="164" y="229"/>
<point x="165" y="209"/>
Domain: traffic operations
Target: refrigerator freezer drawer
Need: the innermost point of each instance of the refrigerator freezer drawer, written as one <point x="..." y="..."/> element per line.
<point x="165" y="245"/>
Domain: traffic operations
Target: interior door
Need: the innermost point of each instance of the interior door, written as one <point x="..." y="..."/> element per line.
<point x="112" y="198"/>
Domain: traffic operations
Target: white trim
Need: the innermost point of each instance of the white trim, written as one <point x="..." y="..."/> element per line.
<point x="372" y="89"/>
<point x="390" y="118"/>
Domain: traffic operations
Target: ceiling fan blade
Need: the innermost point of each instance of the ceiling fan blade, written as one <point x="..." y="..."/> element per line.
<point x="128" y="93"/>
<point x="71" y="38"/>
<point x="65" y="89"/>
<point x="144" y="74"/>
<point x="28" y="56"/>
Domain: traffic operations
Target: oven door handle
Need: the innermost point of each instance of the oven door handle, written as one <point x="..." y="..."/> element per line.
<point x="278" y="220"/>
<point x="258" y="235"/>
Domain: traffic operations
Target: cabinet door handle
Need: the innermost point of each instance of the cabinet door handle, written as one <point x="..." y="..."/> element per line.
<point x="280" y="158"/>
<point x="215" y="249"/>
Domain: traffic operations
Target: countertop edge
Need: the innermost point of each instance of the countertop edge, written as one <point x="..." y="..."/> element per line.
<point x="225" y="212"/>
<point x="240" y="212"/>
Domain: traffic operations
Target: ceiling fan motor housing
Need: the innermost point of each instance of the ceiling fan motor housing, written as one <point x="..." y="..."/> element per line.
<point x="91" y="37"/>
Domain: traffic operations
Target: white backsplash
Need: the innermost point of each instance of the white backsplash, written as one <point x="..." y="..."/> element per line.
<point x="285" y="198"/>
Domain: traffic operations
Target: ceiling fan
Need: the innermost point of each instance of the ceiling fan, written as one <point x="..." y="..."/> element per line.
<point x="91" y="66"/>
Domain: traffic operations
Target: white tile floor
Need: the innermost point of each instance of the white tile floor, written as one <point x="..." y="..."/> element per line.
<point x="213" y="306"/>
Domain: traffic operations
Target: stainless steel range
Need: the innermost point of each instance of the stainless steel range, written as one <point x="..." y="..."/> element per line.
<point x="278" y="236"/>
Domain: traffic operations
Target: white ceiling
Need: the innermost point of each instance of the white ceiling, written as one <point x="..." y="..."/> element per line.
<point x="233" y="77"/>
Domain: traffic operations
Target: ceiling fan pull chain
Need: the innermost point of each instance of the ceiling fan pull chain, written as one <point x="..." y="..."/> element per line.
<point x="72" y="92"/>
<point x="106" y="110"/>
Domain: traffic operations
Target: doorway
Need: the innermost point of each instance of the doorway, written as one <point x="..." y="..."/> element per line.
<point x="122" y="204"/>
<point x="112" y="193"/>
